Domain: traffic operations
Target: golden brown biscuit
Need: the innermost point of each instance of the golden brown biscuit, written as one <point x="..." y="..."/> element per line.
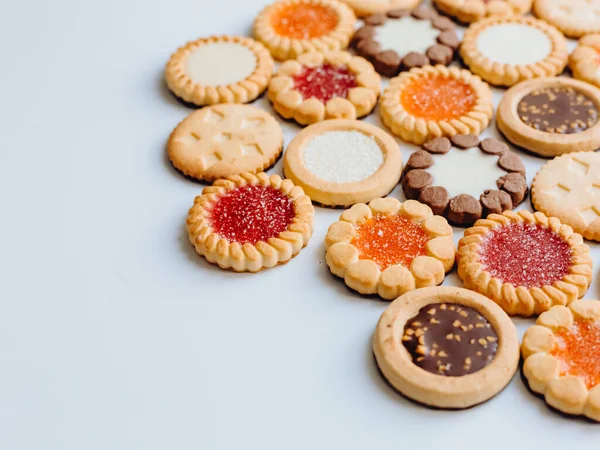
<point x="367" y="7"/>
<point x="584" y="62"/>
<point x="575" y="18"/>
<point x="468" y="11"/>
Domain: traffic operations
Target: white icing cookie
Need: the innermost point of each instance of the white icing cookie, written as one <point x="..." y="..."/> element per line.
<point x="343" y="162"/>
<point x="406" y="35"/>
<point x="220" y="63"/>
<point x="575" y="18"/>
<point x="514" y="43"/>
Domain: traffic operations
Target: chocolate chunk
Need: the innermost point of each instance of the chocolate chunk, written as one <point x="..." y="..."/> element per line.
<point x="464" y="210"/>
<point x="419" y="160"/>
<point x="465" y="140"/>
<point x="414" y="181"/>
<point x="414" y="59"/>
<point x="387" y="63"/>
<point x="397" y="13"/>
<point x="440" y="54"/>
<point x="367" y="48"/>
<point x="443" y="23"/>
<point x="424" y="13"/>
<point x="512" y="163"/>
<point x="436" y="197"/>
<point x="449" y="38"/>
<point x="495" y="202"/>
<point x="375" y="19"/>
<point x="363" y="33"/>
<point x="439" y="145"/>
<point x="493" y="146"/>
<point x="515" y="185"/>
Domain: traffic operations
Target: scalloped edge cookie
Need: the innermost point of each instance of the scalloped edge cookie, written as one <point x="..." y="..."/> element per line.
<point x="327" y="193"/>
<point x="567" y="393"/>
<point x="243" y="91"/>
<point x="364" y="276"/>
<point x="282" y="47"/>
<point x="570" y="26"/>
<point x="290" y="104"/>
<point x="367" y="7"/>
<point x="584" y="62"/>
<point x="416" y="130"/>
<point x="508" y="74"/>
<point x="518" y="300"/>
<point x="474" y="10"/>
<point x="436" y="390"/>
<point x="249" y="257"/>
<point x="541" y="142"/>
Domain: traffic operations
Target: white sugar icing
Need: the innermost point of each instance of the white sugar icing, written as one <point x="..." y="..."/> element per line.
<point x="342" y="156"/>
<point x="220" y="63"/>
<point x="514" y="43"/>
<point x="468" y="171"/>
<point x="406" y="35"/>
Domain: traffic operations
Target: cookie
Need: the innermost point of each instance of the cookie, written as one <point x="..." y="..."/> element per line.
<point x="575" y="18"/>
<point x="403" y="40"/>
<point x="219" y="69"/>
<point x="343" y="162"/>
<point x="464" y="179"/>
<point x="505" y="51"/>
<point x="584" y="62"/>
<point x="468" y="11"/>
<point x="568" y="187"/>
<point x="319" y="86"/>
<point x="222" y="140"/>
<point x="551" y="116"/>
<point x="560" y="354"/>
<point x="525" y="262"/>
<point x="446" y="347"/>
<point x="429" y="102"/>
<point x="368" y="7"/>
<point x="389" y="248"/>
<point x="250" y="222"/>
<point x="289" y="28"/>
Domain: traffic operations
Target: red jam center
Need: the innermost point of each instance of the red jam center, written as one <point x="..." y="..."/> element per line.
<point x="251" y="213"/>
<point x="324" y="82"/>
<point x="525" y="255"/>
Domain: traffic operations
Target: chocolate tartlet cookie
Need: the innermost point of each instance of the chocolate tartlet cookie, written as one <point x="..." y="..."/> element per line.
<point x="486" y="177"/>
<point x="400" y="40"/>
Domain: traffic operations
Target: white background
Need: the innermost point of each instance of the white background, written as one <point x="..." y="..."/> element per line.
<point x="114" y="334"/>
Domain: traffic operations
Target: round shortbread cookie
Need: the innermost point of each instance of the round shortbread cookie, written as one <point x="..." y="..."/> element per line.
<point x="568" y="187"/>
<point x="575" y="18"/>
<point x="446" y="347"/>
<point x="367" y="7"/>
<point x="219" y="69"/>
<point x="289" y="28"/>
<point x="343" y="162"/>
<point x="584" y="62"/>
<point x="223" y="140"/>
<point x="468" y="11"/>
<point x="505" y="51"/>
<point x="551" y="116"/>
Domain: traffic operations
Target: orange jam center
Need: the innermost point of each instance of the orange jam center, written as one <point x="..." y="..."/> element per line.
<point x="390" y="240"/>
<point x="578" y="350"/>
<point x="304" y="21"/>
<point x="438" y="98"/>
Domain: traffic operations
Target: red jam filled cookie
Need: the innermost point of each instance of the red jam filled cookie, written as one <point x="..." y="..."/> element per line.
<point x="250" y="222"/>
<point x="525" y="262"/>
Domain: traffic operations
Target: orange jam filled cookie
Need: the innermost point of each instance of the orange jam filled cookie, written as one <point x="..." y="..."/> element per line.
<point x="317" y="86"/>
<point x="446" y="347"/>
<point x="485" y="178"/>
<point x="343" y="162"/>
<point x="223" y="140"/>
<point x="367" y="7"/>
<point x="505" y="51"/>
<point x="389" y="248"/>
<point x="468" y="11"/>
<point x="289" y="28"/>
<point x="584" y="62"/>
<point x="561" y="358"/>
<point x="430" y="102"/>
<point x="250" y="222"/>
<point x="575" y="18"/>
<point x="401" y="40"/>
<point x="551" y="116"/>
<point x="525" y="262"/>
<point x="219" y="69"/>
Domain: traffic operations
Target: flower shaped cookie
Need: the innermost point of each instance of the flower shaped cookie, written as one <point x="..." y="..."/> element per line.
<point x="561" y="358"/>
<point x="585" y="59"/>
<point x="317" y="86"/>
<point x="389" y="248"/>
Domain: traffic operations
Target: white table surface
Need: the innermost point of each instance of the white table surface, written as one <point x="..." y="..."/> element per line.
<point x="114" y="334"/>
